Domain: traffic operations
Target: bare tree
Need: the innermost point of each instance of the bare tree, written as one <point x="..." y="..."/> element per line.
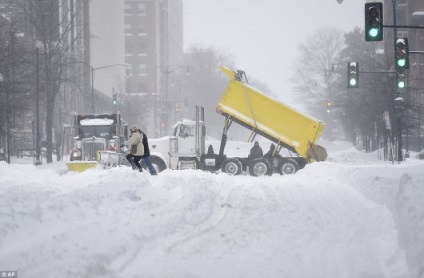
<point x="314" y="79"/>
<point x="15" y="80"/>
<point x="58" y="38"/>
<point x="205" y="84"/>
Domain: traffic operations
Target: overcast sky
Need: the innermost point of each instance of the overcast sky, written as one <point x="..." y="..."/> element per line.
<point x="263" y="35"/>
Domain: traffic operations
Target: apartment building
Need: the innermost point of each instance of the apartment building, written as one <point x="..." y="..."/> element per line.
<point x="153" y="51"/>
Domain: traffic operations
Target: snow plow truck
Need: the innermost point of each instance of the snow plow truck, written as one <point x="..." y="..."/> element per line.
<point x="94" y="133"/>
<point x="262" y="115"/>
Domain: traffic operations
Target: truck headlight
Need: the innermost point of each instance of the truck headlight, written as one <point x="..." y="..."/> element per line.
<point x="76" y="154"/>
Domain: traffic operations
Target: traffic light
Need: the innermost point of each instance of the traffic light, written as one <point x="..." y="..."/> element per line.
<point x="399" y="106"/>
<point x="402" y="53"/>
<point x="374" y="21"/>
<point x="114" y="100"/>
<point x="329" y="106"/>
<point x="352" y="75"/>
<point x="400" y="80"/>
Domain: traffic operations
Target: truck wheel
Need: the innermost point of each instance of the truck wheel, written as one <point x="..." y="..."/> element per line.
<point x="158" y="164"/>
<point x="260" y="167"/>
<point x="289" y="167"/>
<point x="231" y="166"/>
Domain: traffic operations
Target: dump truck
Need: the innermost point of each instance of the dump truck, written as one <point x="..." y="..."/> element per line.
<point x="261" y="115"/>
<point x="281" y="124"/>
<point x="94" y="133"/>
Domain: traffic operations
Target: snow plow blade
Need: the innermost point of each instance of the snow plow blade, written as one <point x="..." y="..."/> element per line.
<point x="112" y="159"/>
<point x="80" y="166"/>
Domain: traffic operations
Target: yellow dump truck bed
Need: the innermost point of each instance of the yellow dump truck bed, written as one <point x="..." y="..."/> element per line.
<point x="271" y="118"/>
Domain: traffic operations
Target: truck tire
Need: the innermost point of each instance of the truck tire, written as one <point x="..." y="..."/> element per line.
<point x="260" y="167"/>
<point x="289" y="167"/>
<point x="158" y="163"/>
<point x="232" y="166"/>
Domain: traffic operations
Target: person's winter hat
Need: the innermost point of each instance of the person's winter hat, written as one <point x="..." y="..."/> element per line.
<point x="134" y="128"/>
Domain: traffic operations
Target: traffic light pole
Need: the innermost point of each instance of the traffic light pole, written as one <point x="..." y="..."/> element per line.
<point x="399" y="120"/>
<point x="378" y="71"/>
<point x="403" y="26"/>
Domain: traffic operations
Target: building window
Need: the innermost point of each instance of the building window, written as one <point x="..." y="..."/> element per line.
<point x="141" y="8"/>
<point x="128" y="28"/>
<point x="141" y="48"/>
<point x="141" y="87"/>
<point x="128" y="47"/>
<point x="142" y="69"/>
<point x="128" y="8"/>
<point x="142" y="29"/>
<point x="128" y="69"/>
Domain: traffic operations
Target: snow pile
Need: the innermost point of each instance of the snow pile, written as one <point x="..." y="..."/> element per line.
<point x="351" y="216"/>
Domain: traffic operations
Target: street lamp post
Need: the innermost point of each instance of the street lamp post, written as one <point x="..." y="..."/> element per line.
<point x="93" y="69"/>
<point x="6" y="104"/>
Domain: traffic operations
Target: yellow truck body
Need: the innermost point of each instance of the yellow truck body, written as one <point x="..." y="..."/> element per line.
<point x="272" y="119"/>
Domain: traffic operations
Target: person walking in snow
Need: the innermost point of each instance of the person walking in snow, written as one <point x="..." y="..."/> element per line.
<point x="135" y="144"/>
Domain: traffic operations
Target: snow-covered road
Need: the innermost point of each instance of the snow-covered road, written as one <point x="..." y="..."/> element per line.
<point x="341" y="218"/>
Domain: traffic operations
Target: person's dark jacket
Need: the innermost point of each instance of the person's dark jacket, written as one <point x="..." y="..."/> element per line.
<point x="270" y="153"/>
<point x="145" y="144"/>
<point x="256" y="151"/>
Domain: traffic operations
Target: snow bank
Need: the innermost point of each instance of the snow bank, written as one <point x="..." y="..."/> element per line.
<point x="352" y="216"/>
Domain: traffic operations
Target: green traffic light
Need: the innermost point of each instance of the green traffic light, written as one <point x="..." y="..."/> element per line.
<point x="352" y="82"/>
<point x="401" y="84"/>
<point x="373" y="32"/>
<point x="401" y="62"/>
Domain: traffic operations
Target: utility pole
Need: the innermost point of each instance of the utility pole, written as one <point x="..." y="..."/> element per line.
<point x="37" y="110"/>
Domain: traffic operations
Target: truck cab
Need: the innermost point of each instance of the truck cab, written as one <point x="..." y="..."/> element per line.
<point x="95" y="133"/>
<point x="183" y="149"/>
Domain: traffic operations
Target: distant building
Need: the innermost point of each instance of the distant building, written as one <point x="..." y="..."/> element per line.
<point x="154" y="52"/>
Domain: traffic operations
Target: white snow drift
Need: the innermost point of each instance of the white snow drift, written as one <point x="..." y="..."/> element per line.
<point x="352" y="216"/>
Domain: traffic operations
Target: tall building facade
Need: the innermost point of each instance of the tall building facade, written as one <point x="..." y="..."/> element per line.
<point x="154" y="52"/>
